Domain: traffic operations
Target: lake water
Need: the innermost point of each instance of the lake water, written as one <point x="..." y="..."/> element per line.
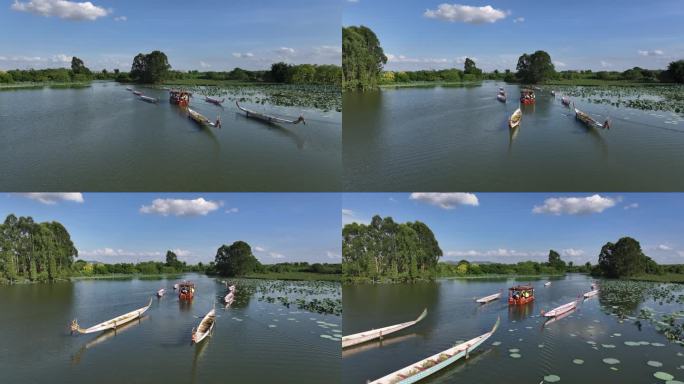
<point x="254" y="341"/>
<point x="588" y="334"/>
<point x="103" y="138"/>
<point x="457" y="138"/>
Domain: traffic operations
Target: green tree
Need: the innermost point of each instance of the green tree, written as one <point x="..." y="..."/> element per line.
<point x="150" y="68"/>
<point x="280" y="72"/>
<point x="535" y="68"/>
<point x="235" y="260"/>
<point x="555" y="261"/>
<point x="469" y="67"/>
<point x="362" y="58"/>
<point x="624" y="258"/>
<point x="78" y="67"/>
<point x="676" y="71"/>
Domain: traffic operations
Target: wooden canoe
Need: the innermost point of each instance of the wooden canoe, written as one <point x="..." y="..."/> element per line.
<point x="501" y="97"/>
<point x="205" y="327"/>
<point x="547" y="283"/>
<point x="560" y="310"/>
<point x="489" y="298"/>
<point x="426" y="367"/>
<point x="137" y="93"/>
<point x="268" y="118"/>
<point x="149" y="99"/>
<point x="514" y="120"/>
<point x="589" y="121"/>
<point x="215" y="101"/>
<point x="113" y="323"/>
<point x="563" y="315"/>
<point x="591" y="293"/>
<point x="565" y="100"/>
<point x="362" y="337"/>
<point x="161" y="292"/>
<point x="201" y="120"/>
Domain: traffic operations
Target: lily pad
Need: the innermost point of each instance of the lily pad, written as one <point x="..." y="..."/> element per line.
<point x="515" y="355"/>
<point x="496" y="343"/>
<point x="514" y="350"/>
<point x="653" y="363"/>
<point x="611" y="361"/>
<point x="663" y="376"/>
<point x="551" y="378"/>
<point x="578" y="361"/>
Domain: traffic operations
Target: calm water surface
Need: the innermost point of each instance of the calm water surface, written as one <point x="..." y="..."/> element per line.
<point x="454" y="138"/>
<point x="103" y="138"/>
<point x="453" y="317"/>
<point x="253" y="341"/>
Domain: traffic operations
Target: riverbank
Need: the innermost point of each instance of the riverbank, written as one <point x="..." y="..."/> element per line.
<point x="502" y="276"/>
<point x="418" y="84"/>
<point x="664" y="278"/>
<point x="43" y="84"/>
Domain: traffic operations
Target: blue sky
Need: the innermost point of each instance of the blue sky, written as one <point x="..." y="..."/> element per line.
<point x="203" y="35"/>
<point x="520" y="226"/>
<point x="582" y="34"/>
<point x="135" y="227"/>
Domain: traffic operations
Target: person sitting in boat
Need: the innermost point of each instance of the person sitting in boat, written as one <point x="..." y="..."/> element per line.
<point x="526" y="294"/>
<point x="606" y="124"/>
<point x="301" y="120"/>
<point x="217" y="124"/>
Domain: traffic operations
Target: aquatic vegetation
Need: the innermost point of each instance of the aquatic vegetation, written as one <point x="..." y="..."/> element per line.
<point x="645" y="98"/>
<point x="551" y="378"/>
<point x="515" y="355"/>
<point x="611" y="361"/>
<point x="663" y="376"/>
<point x="323" y="97"/>
<point x="578" y="361"/>
<point x="653" y="363"/>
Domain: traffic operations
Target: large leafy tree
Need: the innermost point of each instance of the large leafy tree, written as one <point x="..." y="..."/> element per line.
<point x="78" y="67"/>
<point x="150" y="68"/>
<point x="676" y="71"/>
<point x="362" y="58"/>
<point x="535" y="68"/>
<point x="469" y="67"/>
<point x="624" y="258"/>
<point x="236" y="259"/>
<point x="555" y="261"/>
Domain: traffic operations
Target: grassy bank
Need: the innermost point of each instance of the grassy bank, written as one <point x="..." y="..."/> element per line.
<point x="127" y="276"/>
<point x="209" y="82"/>
<point x="664" y="278"/>
<point x="38" y="85"/>
<point x="419" y="84"/>
<point x="598" y="82"/>
<point x="502" y="276"/>
<point x="307" y="276"/>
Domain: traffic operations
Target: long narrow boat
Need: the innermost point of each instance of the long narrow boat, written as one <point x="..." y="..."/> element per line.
<point x="489" y="298"/>
<point x="560" y="310"/>
<point x="514" y="120"/>
<point x="129" y="89"/>
<point x="161" y="292"/>
<point x="113" y="323"/>
<point x="547" y="283"/>
<point x="201" y="120"/>
<point x="149" y="99"/>
<point x="591" y="293"/>
<point x="565" y="101"/>
<point x="268" y="118"/>
<point x="501" y="97"/>
<point x="362" y="337"/>
<point x="434" y="363"/>
<point x="212" y="100"/>
<point x="137" y="93"/>
<point x="589" y="121"/>
<point x="563" y="315"/>
<point x="204" y="328"/>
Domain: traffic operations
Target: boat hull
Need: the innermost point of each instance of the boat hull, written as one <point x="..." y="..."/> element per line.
<point x="362" y="337"/>
<point x="520" y="301"/>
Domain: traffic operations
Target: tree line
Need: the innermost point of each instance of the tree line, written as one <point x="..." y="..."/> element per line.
<point x="385" y="249"/>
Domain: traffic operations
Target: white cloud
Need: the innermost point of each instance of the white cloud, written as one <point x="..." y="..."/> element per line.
<point x="181" y="252"/>
<point x="259" y="249"/>
<point x="63" y="9"/>
<point x="664" y="247"/>
<point x="111" y="252"/>
<point x="286" y="51"/>
<point x="631" y="206"/>
<point x="276" y="255"/>
<point x="328" y="49"/>
<point x="204" y="64"/>
<point x="446" y="200"/>
<point x="245" y="55"/>
<point x="232" y="210"/>
<point x="332" y="255"/>
<point x="462" y="59"/>
<point x="121" y="18"/>
<point x="181" y="207"/>
<point x="22" y="58"/>
<point x="606" y="64"/>
<point x="559" y="64"/>
<point x="51" y="198"/>
<point x="391" y="58"/>
<point x="655" y="52"/>
<point x="465" y="13"/>
<point x="572" y="252"/>
<point x="61" y="58"/>
<point x="575" y="205"/>
<point x="519" y="20"/>
<point x="499" y="252"/>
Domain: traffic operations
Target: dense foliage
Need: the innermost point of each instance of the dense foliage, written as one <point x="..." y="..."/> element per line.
<point x="465" y="268"/>
<point x="385" y="249"/>
<point x="624" y="259"/>
<point x="151" y="68"/>
<point x="34" y="251"/>
<point x="535" y="68"/>
<point x="362" y="58"/>
<point x="322" y="268"/>
<point x="236" y="260"/>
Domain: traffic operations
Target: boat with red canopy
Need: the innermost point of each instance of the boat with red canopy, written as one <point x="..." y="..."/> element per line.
<point x="520" y="294"/>
<point x="527" y="96"/>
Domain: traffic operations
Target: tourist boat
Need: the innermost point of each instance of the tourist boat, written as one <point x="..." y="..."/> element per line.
<point x="565" y="101"/>
<point x="520" y="294"/>
<point x="161" y="292"/>
<point x="230" y="297"/>
<point x="201" y="120"/>
<point x="362" y="337"/>
<point x="489" y="298"/>
<point x="547" y="283"/>
<point x="137" y="93"/>
<point x="514" y="120"/>
<point x="175" y="286"/>
<point x="186" y="290"/>
<point x="591" y="293"/>
<point x="426" y="367"/>
<point x="589" y="121"/>
<point x="212" y="100"/>
<point x="527" y="96"/>
<point x="113" y="323"/>
<point x="563" y="315"/>
<point x="149" y="99"/>
<point x="268" y="118"/>
<point x="205" y="327"/>
<point x="129" y="89"/>
<point x="560" y="310"/>
<point x="179" y="97"/>
<point x="501" y="97"/>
